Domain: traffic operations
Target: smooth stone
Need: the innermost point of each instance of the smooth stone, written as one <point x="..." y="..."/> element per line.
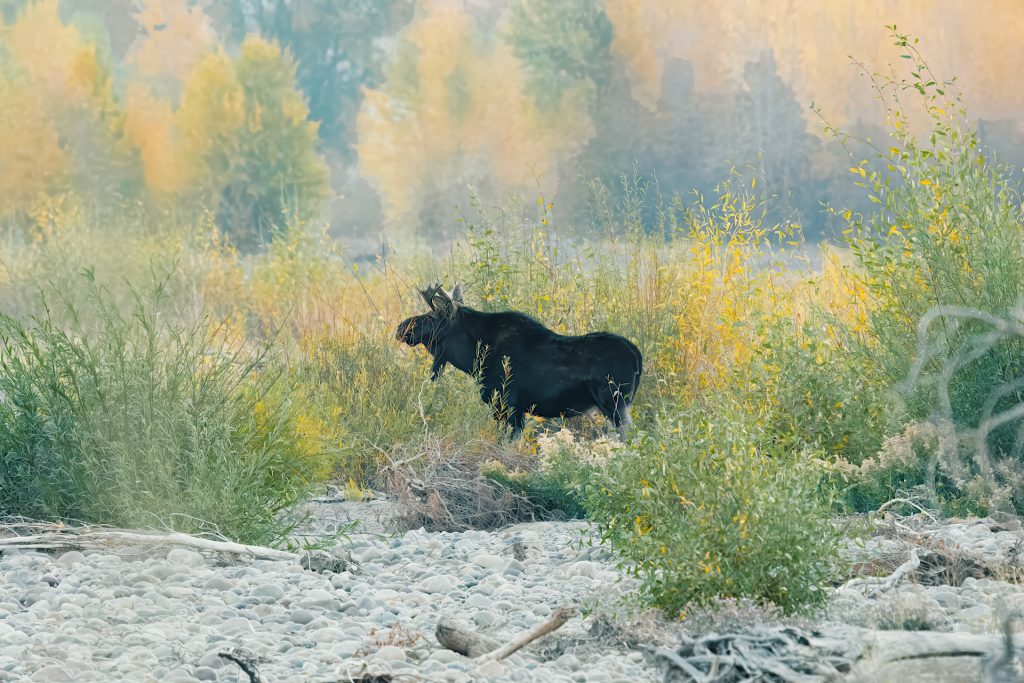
<point x="479" y="601"/>
<point x="346" y="648"/>
<point x="325" y="635"/>
<point x="269" y="590"/>
<point x="390" y="653"/>
<point x="490" y="670"/>
<point x="582" y="568"/>
<point x="301" y="616"/>
<point x="52" y="674"/>
<point x="218" y="583"/>
<point x="485" y="618"/>
<point x="488" y="561"/>
<point x="205" y="673"/>
<point x="568" y="661"/>
<point x="441" y="583"/>
<point x="70" y="558"/>
<point x="947" y="599"/>
<point x="237" y="626"/>
<point x="318" y="597"/>
<point x="445" y="656"/>
<point x="186" y="557"/>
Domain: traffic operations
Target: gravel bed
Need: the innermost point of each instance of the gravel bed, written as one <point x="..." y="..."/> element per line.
<point x="166" y="616"/>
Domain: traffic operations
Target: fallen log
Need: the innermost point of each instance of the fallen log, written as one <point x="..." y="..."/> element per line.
<point x="457" y="638"/>
<point x="59" y="537"/>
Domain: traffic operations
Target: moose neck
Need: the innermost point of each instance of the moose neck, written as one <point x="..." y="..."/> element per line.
<point x="460" y="346"/>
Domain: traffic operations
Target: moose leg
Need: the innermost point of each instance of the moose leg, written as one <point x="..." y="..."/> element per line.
<point x="437" y="367"/>
<point x="518" y="421"/>
<point x="515" y="419"/>
<point x="612" y="404"/>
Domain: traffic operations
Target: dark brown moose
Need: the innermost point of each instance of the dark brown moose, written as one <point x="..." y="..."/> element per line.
<point x="523" y="367"/>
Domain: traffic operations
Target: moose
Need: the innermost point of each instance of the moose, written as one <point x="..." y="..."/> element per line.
<point x="522" y="366"/>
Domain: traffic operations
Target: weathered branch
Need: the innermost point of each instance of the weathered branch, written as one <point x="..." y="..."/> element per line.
<point x="555" y="622"/>
<point x="102" y="538"/>
<point x="881" y="585"/>
<point x="457" y="638"/>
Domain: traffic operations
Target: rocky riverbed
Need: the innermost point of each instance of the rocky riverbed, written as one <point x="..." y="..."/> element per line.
<point x="167" y="614"/>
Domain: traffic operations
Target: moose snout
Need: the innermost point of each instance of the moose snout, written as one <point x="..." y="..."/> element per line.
<point x="404" y="331"/>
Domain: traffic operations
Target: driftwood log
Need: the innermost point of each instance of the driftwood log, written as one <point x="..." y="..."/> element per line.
<point x="57" y="537"/>
<point x="457" y="638"/>
<point x="50" y="536"/>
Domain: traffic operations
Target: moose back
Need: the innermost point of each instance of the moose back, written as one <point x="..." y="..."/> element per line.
<point x="522" y="366"/>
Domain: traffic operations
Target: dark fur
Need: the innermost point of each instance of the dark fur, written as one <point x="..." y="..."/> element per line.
<point x="550" y="374"/>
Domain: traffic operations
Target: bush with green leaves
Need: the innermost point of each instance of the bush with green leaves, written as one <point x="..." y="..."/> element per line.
<point x="946" y="231"/>
<point x="137" y="419"/>
<point x="561" y="468"/>
<point x="713" y="506"/>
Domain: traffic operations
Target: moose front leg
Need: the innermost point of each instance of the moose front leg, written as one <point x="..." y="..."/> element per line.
<point x="515" y="419"/>
<point x="437" y="367"/>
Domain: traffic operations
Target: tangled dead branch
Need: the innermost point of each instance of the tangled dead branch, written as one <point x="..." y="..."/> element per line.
<point x="446" y="491"/>
<point x="940" y="563"/>
<point x="779" y="654"/>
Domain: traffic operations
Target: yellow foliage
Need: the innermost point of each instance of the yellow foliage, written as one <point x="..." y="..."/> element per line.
<point x="445" y="115"/>
<point x="149" y="126"/>
<point x="213" y="104"/>
<point x="649" y="34"/>
<point x="176" y="35"/>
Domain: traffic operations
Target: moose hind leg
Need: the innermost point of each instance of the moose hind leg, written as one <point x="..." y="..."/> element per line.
<point x="612" y="404"/>
<point x="517" y="421"/>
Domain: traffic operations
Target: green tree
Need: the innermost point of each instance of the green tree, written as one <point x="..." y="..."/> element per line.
<point x="247" y="122"/>
<point x="562" y="45"/>
<point x="336" y="48"/>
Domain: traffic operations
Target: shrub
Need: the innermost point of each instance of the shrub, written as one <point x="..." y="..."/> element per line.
<point x="555" y="479"/>
<point x="946" y="232"/>
<point x="925" y="461"/>
<point x="716" y="507"/>
<point x="137" y="419"/>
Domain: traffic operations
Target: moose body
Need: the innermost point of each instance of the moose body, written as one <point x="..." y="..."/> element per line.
<point x="522" y="366"/>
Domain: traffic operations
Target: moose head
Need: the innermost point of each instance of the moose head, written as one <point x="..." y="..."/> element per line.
<point x="429" y="328"/>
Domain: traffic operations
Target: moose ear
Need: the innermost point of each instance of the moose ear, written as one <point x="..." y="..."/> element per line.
<point x="444" y="303"/>
<point x="457" y="294"/>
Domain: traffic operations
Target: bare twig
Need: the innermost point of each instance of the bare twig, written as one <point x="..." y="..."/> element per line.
<point x="457" y="638"/>
<point x="880" y="585"/>
<point x="555" y="622"/>
<point x="245" y="660"/>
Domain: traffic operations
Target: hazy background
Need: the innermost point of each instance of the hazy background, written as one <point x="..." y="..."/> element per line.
<point x="376" y="115"/>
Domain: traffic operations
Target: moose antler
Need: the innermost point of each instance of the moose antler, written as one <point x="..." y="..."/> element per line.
<point x="429" y="293"/>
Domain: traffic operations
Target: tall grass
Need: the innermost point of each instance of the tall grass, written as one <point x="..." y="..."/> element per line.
<point x="140" y="418"/>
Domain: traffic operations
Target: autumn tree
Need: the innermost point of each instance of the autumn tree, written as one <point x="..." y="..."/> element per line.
<point x="247" y="123"/>
<point x="59" y="120"/>
<point x="562" y="46"/>
<point x="336" y="46"/>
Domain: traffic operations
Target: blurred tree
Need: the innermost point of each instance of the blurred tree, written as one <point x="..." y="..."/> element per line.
<point x="562" y="46"/>
<point x="338" y="46"/>
<point x="248" y="124"/>
<point x="767" y="127"/>
<point x="59" y="121"/>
